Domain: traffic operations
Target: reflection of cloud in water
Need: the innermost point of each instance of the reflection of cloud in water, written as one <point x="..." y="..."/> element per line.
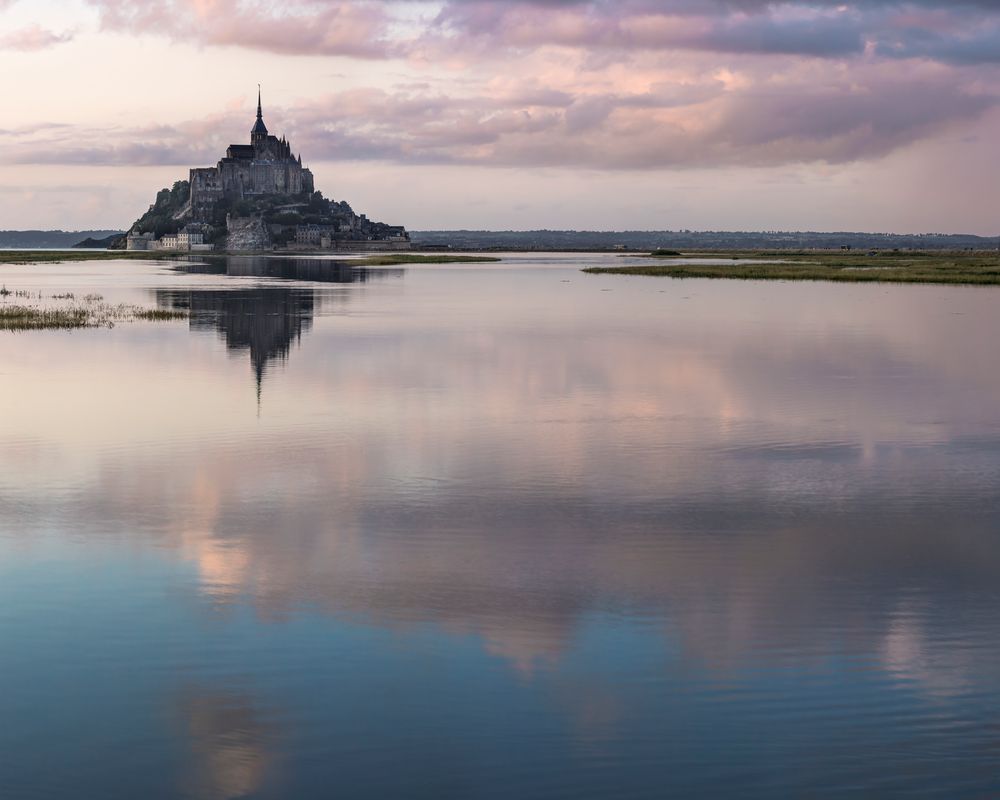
<point x="227" y="738"/>
<point x="730" y="578"/>
<point x="912" y="654"/>
<point x="759" y="495"/>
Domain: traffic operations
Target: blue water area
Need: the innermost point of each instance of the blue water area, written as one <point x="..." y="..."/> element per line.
<point x="499" y="530"/>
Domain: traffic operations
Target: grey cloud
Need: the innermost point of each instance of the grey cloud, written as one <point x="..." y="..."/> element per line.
<point x="819" y="28"/>
<point x="980" y="47"/>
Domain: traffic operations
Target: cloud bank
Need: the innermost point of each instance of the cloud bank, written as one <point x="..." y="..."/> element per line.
<point x="623" y="85"/>
<point x="960" y="31"/>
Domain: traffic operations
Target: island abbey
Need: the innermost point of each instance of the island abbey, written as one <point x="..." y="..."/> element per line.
<point x="258" y="197"/>
<point x="265" y="166"/>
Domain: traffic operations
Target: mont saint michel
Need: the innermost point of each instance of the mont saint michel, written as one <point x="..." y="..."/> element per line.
<point x="258" y="197"/>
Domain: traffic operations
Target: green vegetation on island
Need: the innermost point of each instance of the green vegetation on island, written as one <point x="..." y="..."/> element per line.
<point x="159" y="218"/>
<point x="975" y="268"/>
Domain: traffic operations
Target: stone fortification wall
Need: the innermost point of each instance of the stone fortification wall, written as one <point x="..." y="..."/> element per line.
<point x="247" y="234"/>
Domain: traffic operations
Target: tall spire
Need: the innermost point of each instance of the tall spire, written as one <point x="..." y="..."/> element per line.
<point x="259" y="131"/>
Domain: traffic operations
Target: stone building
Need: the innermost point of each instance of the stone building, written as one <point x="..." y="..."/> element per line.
<point x="189" y="238"/>
<point x="266" y="166"/>
<point x="314" y="235"/>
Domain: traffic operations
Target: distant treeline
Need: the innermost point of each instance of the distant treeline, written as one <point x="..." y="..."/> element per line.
<point x="696" y="240"/>
<point x="43" y="239"/>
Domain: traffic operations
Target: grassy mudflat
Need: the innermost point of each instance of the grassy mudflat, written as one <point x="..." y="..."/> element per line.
<point x="910" y="267"/>
<point x="46" y="256"/>
<point x="25" y="313"/>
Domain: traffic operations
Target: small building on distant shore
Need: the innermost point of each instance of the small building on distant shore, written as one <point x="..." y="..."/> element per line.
<point x="190" y="239"/>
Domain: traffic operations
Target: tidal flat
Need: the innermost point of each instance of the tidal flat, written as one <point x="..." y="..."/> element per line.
<point x="776" y="265"/>
<point x="498" y="531"/>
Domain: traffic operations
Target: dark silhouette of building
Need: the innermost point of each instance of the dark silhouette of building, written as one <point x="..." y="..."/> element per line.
<point x="265" y="166"/>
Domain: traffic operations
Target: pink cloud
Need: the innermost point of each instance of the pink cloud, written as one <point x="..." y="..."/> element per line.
<point x="33" y="37"/>
<point x="633" y="84"/>
<point x="794" y="117"/>
<point x="296" y="27"/>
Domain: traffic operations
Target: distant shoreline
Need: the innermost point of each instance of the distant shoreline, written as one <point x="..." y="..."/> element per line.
<point x="542" y="240"/>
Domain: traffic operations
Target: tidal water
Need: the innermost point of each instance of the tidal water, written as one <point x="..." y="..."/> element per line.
<point x="499" y="531"/>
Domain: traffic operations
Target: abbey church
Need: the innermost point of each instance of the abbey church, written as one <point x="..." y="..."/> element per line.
<point x="265" y="166"/>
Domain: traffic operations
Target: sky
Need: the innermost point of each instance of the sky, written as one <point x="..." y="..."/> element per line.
<point x="598" y="114"/>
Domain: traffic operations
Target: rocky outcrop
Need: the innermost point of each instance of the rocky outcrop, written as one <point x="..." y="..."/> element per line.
<point x="113" y="242"/>
<point x="247" y="234"/>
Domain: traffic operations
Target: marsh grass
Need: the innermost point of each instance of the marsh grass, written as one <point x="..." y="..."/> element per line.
<point x="158" y="314"/>
<point x="971" y="268"/>
<point x="47" y="256"/>
<point x="91" y="313"/>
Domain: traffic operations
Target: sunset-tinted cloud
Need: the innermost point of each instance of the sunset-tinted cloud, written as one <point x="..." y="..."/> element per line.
<point x="293" y="28"/>
<point x="864" y="114"/>
<point x="33" y="37"/>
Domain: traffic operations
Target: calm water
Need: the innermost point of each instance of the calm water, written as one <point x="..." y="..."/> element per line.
<point x="500" y="531"/>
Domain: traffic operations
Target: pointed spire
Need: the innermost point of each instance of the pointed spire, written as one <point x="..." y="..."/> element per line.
<point x="259" y="130"/>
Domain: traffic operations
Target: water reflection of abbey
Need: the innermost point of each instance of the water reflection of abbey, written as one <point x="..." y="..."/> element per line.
<point x="263" y="319"/>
